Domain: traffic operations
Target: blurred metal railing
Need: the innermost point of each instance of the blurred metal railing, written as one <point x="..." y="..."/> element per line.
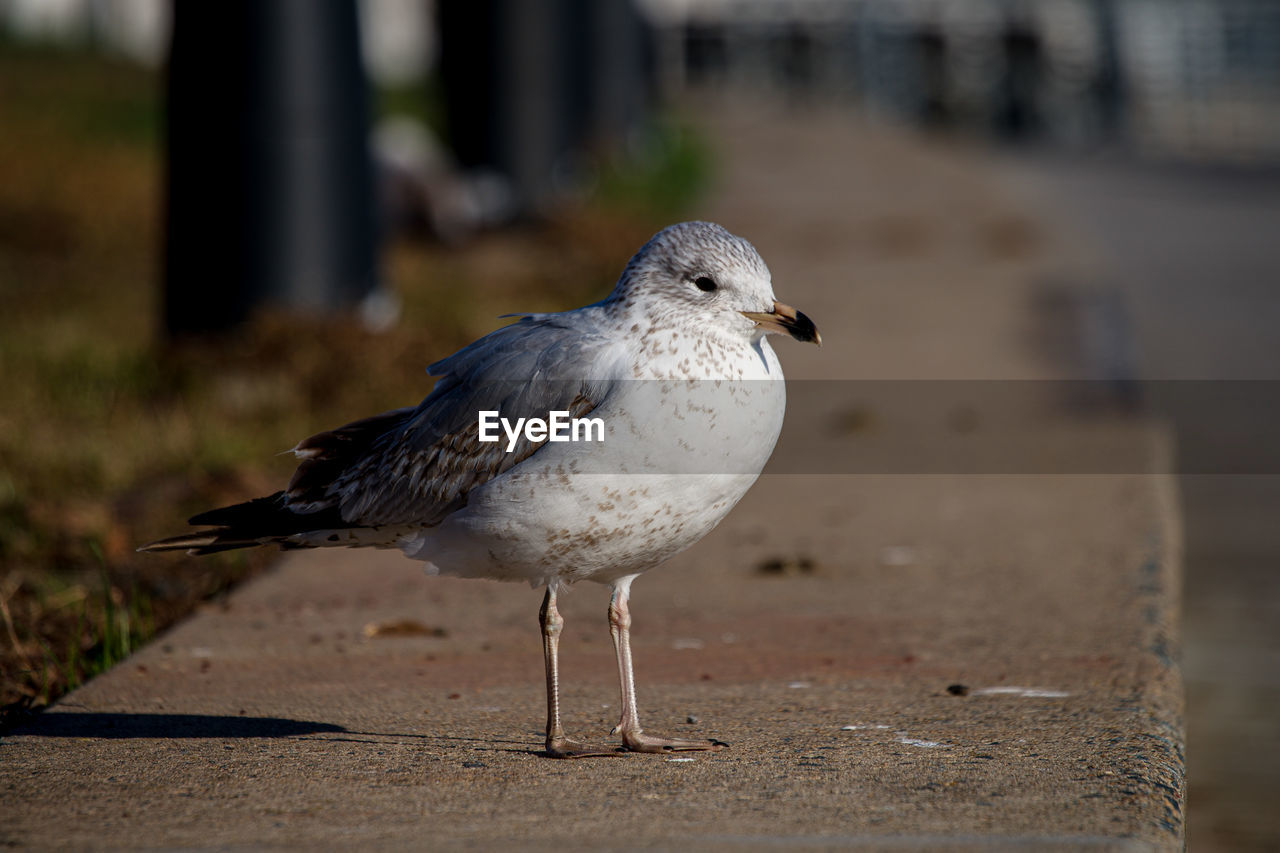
<point x="1188" y="78"/>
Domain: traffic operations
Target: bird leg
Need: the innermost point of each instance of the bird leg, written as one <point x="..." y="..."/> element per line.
<point x="633" y="738"/>
<point x="558" y="745"/>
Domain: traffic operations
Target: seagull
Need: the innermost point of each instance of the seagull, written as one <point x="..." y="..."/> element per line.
<point x="683" y="398"/>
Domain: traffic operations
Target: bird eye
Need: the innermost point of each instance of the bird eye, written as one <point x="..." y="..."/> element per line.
<point x="705" y="283"/>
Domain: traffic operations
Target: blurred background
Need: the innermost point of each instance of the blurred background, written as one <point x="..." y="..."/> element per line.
<point x="225" y="226"/>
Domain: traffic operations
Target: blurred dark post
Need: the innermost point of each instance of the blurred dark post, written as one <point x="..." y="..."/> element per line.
<point x="270" y="190"/>
<point x="1017" y="111"/>
<point x="616" y="54"/>
<point x="1109" y="87"/>
<point x="531" y="85"/>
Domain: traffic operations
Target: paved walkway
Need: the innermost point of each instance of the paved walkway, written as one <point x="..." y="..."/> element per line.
<point x="904" y="653"/>
<point x="1193" y="252"/>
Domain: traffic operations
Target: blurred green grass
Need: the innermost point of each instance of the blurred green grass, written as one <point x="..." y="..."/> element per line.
<point x="110" y="437"/>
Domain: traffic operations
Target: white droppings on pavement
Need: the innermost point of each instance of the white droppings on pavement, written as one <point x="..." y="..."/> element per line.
<point x="1029" y="692"/>
<point x="901" y="736"/>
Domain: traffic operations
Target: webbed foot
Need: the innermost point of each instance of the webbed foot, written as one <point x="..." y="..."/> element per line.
<point x="641" y="742"/>
<point x="563" y="747"/>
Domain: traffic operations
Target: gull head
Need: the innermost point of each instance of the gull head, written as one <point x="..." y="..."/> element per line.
<point x="698" y="273"/>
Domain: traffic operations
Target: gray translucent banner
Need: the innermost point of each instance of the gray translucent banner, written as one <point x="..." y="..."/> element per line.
<point x="866" y="427"/>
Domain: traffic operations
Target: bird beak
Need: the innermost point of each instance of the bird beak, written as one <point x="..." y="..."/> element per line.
<point x="786" y="319"/>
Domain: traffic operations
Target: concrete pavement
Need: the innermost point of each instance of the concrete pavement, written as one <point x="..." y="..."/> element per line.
<point x="945" y="659"/>
<point x="1193" y="252"/>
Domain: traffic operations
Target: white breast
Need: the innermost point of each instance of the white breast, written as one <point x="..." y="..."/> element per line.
<point x="678" y="453"/>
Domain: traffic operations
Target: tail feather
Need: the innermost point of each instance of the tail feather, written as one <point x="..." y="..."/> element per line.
<point x="199" y="544"/>
<point x="261" y="521"/>
<point x="258" y="512"/>
<point x="307" y="513"/>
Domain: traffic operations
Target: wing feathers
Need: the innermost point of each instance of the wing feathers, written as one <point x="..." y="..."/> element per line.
<point x="415" y="466"/>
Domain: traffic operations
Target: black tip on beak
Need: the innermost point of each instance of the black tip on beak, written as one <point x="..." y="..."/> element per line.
<point x="802" y="329"/>
<point x="784" y="318"/>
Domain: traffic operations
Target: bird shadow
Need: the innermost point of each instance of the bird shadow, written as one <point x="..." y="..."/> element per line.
<point x="94" y="724"/>
<point x="121" y="726"/>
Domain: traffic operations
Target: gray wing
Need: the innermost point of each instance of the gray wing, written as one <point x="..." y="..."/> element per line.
<point x="416" y="466"/>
